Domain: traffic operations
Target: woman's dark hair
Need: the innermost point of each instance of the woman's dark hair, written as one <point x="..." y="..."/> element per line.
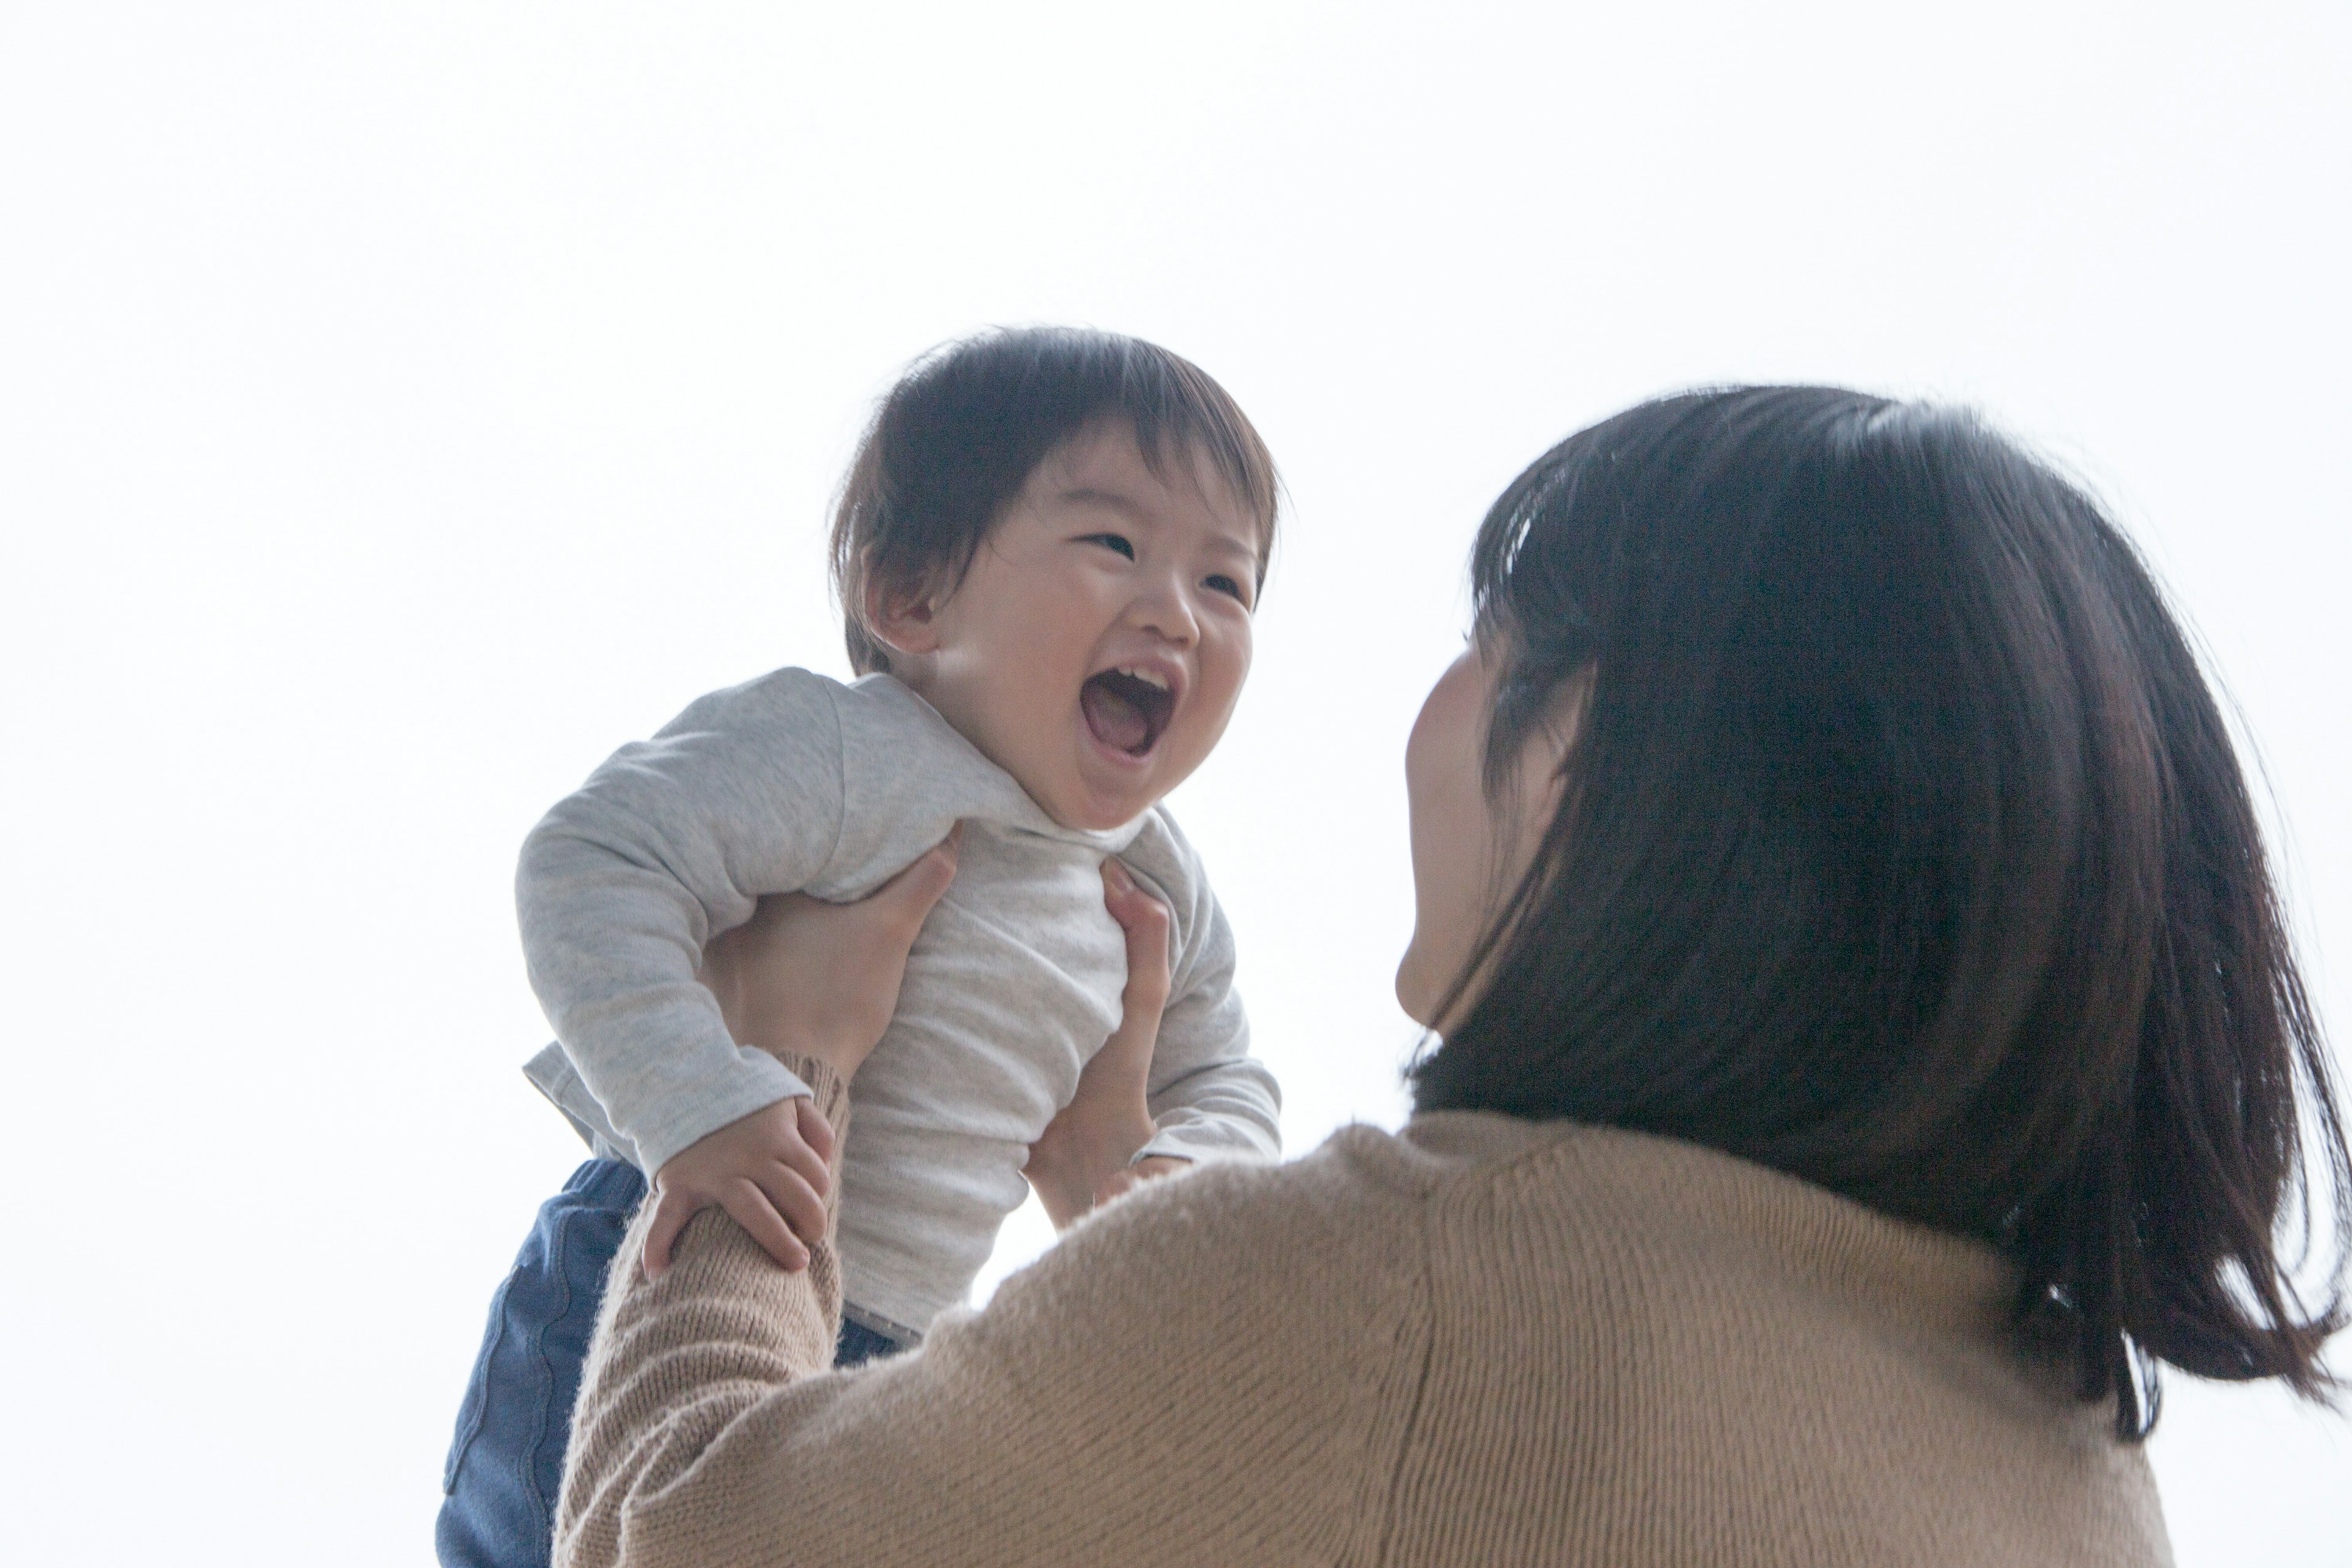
<point x="1902" y="847"/>
<point x="968" y="422"/>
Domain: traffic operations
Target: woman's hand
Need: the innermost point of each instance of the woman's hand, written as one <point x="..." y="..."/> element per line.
<point x="807" y="978"/>
<point x="1083" y="1156"/>
<point x="802" y="978"/>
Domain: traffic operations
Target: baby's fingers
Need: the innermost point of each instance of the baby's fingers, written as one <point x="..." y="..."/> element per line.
<point x="752" y="1210"/>
<point x="816" y="1132"/>
<point x="791" y="1196"/>
<point x="672" y="1209"/>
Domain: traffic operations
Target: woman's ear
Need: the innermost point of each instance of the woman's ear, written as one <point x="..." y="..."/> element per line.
<point x="902" y="620"/>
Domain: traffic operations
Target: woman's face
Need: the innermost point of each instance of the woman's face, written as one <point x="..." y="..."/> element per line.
<point x="1469" y="852"/>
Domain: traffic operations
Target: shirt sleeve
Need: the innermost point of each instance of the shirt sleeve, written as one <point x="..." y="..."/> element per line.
<point x="1113" y="1404"/>
<point x="1208" y="1096"/>
<point x="670" y="843"/>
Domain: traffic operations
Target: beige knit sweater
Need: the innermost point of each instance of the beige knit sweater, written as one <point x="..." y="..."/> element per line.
<point x="1481" y="1340"/>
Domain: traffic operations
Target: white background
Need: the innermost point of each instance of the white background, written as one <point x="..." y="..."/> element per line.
<point x="400" y="407"/>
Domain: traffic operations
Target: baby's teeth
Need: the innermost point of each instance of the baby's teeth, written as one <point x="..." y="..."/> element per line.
<point x="1148" y="677"/>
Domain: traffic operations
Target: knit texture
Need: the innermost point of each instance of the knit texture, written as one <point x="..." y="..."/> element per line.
<point x="1480" y="1341"/>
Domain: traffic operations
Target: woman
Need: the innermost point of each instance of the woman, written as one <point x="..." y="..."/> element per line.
<point x="1869" y="1047"/>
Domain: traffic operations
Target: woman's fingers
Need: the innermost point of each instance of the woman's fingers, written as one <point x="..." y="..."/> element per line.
<point x="1109" y="1117"/>
<point x="750" y="1204"/>
<point x="1146" y="922"/>
<point x="1139" y="912"/>
<point x="908" y="897"/>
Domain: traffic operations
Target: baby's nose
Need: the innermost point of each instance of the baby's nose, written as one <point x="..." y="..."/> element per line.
<point x="1165" y="612"/>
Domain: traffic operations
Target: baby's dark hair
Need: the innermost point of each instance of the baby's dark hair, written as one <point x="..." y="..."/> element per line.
<point x="967" y="424"/>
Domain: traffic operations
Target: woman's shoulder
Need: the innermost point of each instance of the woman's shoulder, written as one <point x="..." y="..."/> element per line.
<point x="1353" y="1204"/>
<point x="1469" y="1169"/>
<point x="1214" y="1279"/>
<point x="1455" y="1203"/>
<point x="1323" y="1238"/>
<point x="1609" y="1201"/>
<point x="1603" y="1216"/>
<point x="1358" y="1171"/>
<point x="1357" y="1168"/>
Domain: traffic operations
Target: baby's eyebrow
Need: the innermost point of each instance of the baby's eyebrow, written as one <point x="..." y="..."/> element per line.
<point x="1086" y="495"/>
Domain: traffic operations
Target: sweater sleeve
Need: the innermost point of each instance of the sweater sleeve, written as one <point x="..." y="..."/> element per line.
<point x="670" y="843"/>
<point x="1162" y="1388"/>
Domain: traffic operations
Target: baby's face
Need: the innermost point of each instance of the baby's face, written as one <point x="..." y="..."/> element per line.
<point x="1095" y="648"/>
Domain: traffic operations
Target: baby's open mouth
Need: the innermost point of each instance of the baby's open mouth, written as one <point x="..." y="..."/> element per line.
<point x="1125" y="711"/>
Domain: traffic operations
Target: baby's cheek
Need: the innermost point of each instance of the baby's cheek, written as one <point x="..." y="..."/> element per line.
<point x="1224" y="679"/>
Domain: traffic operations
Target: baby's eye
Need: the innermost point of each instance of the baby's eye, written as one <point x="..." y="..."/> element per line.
<point x="1220" y="583"/>
<point x="1117" y="542"/>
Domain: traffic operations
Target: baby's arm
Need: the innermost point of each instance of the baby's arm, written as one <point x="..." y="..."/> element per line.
<point x="621" y="886"/>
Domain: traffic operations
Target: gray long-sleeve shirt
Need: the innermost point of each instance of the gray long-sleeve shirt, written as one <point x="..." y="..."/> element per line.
<point x="796" y="782"/>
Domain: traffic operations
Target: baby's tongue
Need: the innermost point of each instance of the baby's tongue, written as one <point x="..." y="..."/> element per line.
<point x="1115" y="721"/>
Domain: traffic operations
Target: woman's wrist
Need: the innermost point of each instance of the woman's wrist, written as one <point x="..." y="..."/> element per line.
<point x="1077" y="1154"/>
<point x="1108" y="1145"/>
<point x="793" y="1031"/>
<point x="840" y="1060"/>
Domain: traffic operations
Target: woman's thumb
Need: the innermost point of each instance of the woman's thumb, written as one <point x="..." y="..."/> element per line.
<point x="911" y="893"/>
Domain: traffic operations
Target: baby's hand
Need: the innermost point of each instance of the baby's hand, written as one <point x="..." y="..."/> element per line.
<point x="768" y="1170"/>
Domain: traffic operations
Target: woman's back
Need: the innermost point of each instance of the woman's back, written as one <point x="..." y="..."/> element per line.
<point x="1483" y="1340"/>
<point x="1716" y="1363"/>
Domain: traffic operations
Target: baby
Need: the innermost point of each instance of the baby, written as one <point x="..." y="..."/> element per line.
<point x="1048" y="547"/>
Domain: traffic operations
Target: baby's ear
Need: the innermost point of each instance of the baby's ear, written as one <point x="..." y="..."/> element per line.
<point x="903" y="617"/>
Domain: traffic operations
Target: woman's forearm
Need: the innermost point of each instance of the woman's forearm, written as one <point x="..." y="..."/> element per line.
<point x="1099" y="1410"/>
<point x="678" y="1364"/>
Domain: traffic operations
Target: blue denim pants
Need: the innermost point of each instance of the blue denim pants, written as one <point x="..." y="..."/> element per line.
<point x="497" y="1508"/>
